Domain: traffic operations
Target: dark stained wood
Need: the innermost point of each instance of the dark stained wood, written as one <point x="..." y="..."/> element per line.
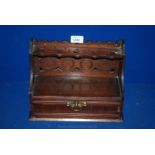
<point x="60" y="107"/>
<point x="82" y="87"/>
<point x="76" y="82"/>
<point x="51" y="66"/>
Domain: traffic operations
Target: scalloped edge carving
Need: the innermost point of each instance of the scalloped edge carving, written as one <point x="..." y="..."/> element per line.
<point x="117" y="44"/>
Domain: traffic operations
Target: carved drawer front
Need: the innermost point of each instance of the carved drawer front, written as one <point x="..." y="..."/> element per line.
<point x="75" y="107"/>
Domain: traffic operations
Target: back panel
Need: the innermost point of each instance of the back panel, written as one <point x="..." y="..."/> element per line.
<point x="67" y="59"/>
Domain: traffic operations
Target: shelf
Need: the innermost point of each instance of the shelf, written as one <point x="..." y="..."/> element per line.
<point x="76" y="87"/>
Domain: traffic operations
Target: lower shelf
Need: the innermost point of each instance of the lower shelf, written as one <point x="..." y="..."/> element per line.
<point x="76" y="86"/>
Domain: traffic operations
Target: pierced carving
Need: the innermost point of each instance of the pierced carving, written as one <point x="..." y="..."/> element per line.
<point x="81" y="66"/>
<point x="59" y="69"/>
<point x="76" y="69"/>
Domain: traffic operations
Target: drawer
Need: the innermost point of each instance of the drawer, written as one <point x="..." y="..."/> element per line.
<point x="75" y="107"/>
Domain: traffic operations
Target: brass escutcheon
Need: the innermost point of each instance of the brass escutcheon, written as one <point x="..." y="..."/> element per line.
<point x="76" y="105"/>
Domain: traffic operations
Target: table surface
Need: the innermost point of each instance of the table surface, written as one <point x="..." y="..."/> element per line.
<point x="139" y="108"/>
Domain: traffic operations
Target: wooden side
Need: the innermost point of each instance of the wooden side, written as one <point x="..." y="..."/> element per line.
<point x="32" y="74"/>
<point x="31" y="67"/>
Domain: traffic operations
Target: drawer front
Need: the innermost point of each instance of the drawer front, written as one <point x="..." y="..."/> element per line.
<point x="75" y="107"/>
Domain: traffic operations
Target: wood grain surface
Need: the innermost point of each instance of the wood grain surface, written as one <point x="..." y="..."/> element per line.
<point x="62" y="72"/>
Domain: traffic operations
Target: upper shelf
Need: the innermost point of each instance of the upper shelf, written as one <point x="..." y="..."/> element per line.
<point x="88" y="49"/>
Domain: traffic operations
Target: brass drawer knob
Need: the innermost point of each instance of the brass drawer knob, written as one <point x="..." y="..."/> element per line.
<point x="76" y="105"/>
